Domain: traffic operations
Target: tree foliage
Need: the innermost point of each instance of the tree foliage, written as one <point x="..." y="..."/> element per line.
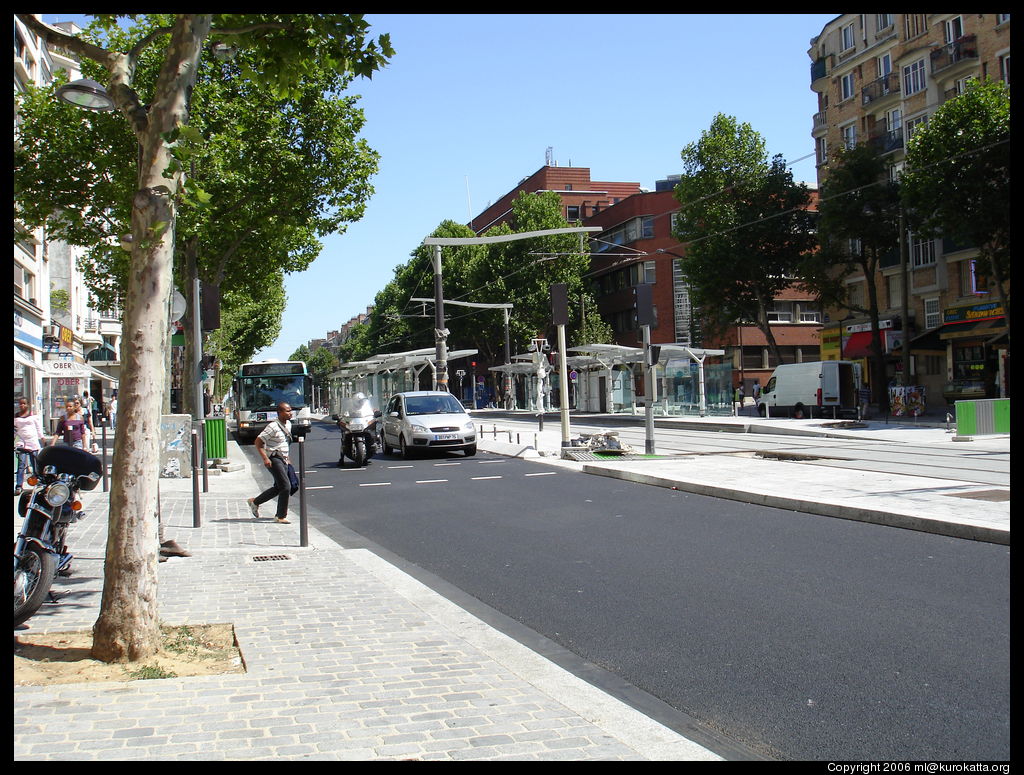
<point x="746" y="225"/>
<point x="957" y="178"/>
<point x="287" y="49"/>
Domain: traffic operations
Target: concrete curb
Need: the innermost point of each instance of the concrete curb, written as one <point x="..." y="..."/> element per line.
<point x="839" y="511"/>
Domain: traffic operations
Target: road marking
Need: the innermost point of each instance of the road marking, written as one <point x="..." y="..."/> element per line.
<point x="479" y="478"/>
<point x="399" y="466"/>
<point x="438" y="465"/>
<point x="543" y="473"/>
<point x="430" y="481"/>
<point x="322" y="487"/>
<point x="375" y="484"/>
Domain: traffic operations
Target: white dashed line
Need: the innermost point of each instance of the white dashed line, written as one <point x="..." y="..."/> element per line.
<point x="375" y="484"/>
<point x="430" y="481"/>
<point x="543" y="473"/>
<point x="479" y="478"/>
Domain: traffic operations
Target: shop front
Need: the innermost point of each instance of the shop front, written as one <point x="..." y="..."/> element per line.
<point x="978" y="351"/>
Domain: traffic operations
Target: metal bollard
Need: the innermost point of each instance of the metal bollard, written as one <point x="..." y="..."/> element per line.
<point x="196" y="520"/>
<point x="103" y="453"/>
<point x="303" y="524"/>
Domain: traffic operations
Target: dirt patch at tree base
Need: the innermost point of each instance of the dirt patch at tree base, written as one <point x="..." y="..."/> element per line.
<point x="41" y="659"/>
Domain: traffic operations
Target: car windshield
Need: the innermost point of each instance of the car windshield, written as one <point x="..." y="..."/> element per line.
<point x="445" y="404"/>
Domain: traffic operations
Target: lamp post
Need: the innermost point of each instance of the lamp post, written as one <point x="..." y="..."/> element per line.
<point x="85" y="93"/>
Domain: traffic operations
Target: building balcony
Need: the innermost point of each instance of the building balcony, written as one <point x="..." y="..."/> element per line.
<point x="885" y="141"/>
<point x="819" y="73"/>
<point x="886" y="86"/>
<point x="963" y="49"/>
<point x="820" y="123"/>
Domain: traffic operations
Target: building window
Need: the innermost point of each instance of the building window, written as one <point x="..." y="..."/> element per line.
<point x="954" y="28"/>
<point x="1004" y="69"/>
<point x="24" y="283"/>
<point x="780" y="312"/>
<point x="914" y="24"/>
<point x="572" y="213"/>
<point x="849" y="133"/>
<point x="848" y="37"/>
<point x="932" y="314"/>
<point x="968" y="361"/>
<point x="913" y="78"/>
<point x="913" y="125"/>
<point x="922" y="252"/>
<point x="846" y="87"/>
<point x="821" y="151"/>
<point x="894" y="287"/>
<point x="809" y="315"/>
<point x="883" y="21"/>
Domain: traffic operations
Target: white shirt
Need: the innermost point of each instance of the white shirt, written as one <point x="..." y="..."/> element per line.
<point x="277" y="438"/>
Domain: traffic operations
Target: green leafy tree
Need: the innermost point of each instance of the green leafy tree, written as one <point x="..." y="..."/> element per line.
<point x="746" y="225"/>
<point x="859" y="214"/>
<point x="957" y="178"/>
<point x="267" y="177"/>
<point x="287" y="49"/>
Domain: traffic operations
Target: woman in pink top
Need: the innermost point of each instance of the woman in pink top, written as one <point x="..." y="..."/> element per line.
<point x="28" y="430"/>
<point x="72" y="427"/>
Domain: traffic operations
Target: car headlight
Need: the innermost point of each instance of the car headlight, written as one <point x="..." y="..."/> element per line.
<point x="469" y="426"/>
<point x="418" y="428"/>
<point x="57" y="494"/>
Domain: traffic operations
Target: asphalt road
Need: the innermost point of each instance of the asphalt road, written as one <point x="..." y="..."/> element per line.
<point x="798" y="637"/>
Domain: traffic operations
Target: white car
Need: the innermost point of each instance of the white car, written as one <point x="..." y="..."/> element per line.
<point x="427" y="420"/>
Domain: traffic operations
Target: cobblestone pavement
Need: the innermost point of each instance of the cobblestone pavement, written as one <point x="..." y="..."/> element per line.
<point x="347" y="658"/>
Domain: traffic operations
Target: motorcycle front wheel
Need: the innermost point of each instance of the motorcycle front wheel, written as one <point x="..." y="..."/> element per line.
<point x="359" y="452"/>
<point x="33" y="576"/>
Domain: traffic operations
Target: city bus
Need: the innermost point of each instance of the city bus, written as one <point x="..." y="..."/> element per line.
<point x="258" y="388"/>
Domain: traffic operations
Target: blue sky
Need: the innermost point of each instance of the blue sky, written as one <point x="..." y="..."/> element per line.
<point x="470" y="104"/>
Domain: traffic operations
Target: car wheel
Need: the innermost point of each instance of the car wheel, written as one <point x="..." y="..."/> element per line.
<point x="471" y="450"/>
<point x="403" y="448"/>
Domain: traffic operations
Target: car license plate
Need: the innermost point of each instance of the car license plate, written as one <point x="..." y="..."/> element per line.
<point x="445" y="436"/>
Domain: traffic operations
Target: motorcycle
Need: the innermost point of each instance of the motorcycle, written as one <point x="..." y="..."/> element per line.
<point x="360" y="434"/>
<point x="40" y="553"/>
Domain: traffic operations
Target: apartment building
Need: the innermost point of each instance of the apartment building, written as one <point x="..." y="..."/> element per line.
<point x="62" y="345"/>
<point x="878" y="78"/>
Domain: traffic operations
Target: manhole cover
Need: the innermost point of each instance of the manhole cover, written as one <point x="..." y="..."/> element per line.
<point x="983" y="495"/>
<point x="270" y="557"/>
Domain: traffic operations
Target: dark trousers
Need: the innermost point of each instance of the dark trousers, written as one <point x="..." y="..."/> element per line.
<point x="282" y="487"/>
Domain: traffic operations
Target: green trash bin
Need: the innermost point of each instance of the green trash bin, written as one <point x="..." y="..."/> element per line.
<point x="216" y="438"/>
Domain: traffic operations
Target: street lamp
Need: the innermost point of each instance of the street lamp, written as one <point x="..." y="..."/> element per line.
<point x="86" y="93"/>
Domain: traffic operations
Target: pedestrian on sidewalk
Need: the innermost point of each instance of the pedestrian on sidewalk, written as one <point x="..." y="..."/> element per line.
<point x="72" y="427"/>
<point x="28" y="430"/>
<point x="272" y="445"/>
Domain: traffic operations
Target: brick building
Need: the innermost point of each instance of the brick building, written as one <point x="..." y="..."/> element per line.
<point x="581" y="197"/>
<point x="878" y="78"/>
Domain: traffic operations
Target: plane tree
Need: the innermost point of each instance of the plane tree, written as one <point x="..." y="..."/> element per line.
<point x="286" y="48"/>
<point x="746" y="225"/>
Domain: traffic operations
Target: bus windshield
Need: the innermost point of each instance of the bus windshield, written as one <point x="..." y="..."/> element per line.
<point x="262" y="394"/>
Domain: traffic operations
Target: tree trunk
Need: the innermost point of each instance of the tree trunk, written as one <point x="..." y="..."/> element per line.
<point x="128" y="624"/>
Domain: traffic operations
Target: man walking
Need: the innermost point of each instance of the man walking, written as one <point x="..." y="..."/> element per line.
<point x="272" y="445"/>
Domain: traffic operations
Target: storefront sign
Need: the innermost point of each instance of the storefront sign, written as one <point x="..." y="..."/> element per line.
<point x="67" y="338"/>
<point x="65" y="369"/>
<point x="989" y="311"/>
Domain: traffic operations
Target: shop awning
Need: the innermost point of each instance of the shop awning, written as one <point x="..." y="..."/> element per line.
<point x="858" y="346"/>
<point x="24" y="360"/>
<point x="974" y="328"/>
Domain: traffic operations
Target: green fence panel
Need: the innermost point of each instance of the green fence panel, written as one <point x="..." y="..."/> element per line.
<point x="216" y="438"/>
<point x="982" y="417"/>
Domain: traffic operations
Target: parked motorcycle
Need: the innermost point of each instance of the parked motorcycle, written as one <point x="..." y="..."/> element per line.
<point x="357" y="419"/>
<point x="40" y="553"/>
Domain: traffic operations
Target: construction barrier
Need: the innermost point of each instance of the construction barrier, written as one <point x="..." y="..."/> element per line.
<point x="981" y="417"/>
<point x="216" y="438"/>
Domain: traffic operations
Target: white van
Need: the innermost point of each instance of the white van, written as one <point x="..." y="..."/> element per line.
<point x="813" y="389"/>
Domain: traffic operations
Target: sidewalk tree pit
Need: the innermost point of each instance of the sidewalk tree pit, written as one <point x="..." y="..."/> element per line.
<point x="41" y="659"/>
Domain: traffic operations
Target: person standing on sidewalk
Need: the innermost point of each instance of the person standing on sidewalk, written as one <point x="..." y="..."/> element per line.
<point x="28" y="429"/>
<point x="272" y="445"/>
<point x="72" y="427"/>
